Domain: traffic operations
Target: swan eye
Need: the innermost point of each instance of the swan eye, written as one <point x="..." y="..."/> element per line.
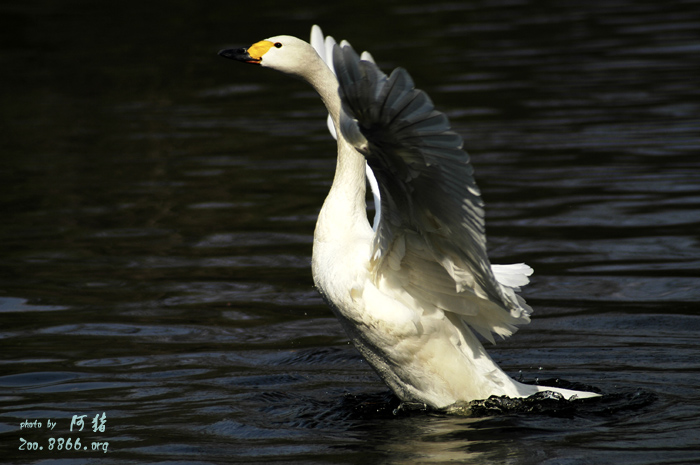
<point x="278" y="44"/>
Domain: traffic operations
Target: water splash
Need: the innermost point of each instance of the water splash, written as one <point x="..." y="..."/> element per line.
<point x="548" y="403"/>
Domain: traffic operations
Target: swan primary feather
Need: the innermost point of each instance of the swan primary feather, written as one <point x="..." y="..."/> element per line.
<point x="411" y="292"/>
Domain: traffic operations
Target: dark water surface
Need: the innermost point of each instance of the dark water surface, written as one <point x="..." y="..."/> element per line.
<point x="157" y="206"/>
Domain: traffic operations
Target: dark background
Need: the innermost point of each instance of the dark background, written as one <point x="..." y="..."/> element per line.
<point x="157" y="206"/>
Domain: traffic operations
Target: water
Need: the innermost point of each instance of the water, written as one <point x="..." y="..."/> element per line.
<point x="158" y="205"/>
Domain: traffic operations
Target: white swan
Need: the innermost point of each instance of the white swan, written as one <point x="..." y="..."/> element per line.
<point x="411" y="293"/>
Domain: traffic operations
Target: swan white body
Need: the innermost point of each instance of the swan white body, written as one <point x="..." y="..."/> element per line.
<point x="411" y="291"/>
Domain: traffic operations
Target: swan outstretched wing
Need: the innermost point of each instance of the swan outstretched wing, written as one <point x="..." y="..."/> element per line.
<point x="430" y="245"/>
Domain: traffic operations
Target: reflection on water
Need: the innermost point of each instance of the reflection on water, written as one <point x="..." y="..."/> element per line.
<point x="158" y="207"/>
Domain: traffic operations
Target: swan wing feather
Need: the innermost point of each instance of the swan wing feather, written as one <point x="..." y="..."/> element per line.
<point x="430" y="244"/>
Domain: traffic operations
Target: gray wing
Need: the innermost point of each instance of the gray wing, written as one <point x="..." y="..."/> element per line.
<point x="431" y="234"/>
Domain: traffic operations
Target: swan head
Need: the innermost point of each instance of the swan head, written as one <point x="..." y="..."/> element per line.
<point x="283" y="53"/>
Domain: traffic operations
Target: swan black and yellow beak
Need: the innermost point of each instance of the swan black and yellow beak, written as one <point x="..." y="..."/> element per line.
<point x="240" y="54"/>
<point x="253" y="54"/>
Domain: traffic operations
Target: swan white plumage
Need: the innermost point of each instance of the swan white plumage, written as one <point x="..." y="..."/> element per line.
<point x="411" y="292"/>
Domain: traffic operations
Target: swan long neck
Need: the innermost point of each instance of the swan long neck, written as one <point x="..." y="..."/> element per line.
<point x="345" y="208"/>
<point x="325" y="83"/>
